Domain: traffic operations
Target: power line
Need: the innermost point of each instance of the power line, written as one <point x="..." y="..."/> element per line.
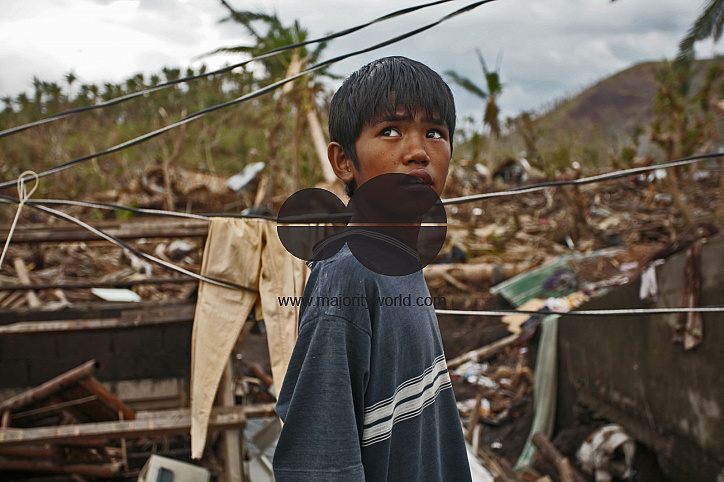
<point x="119" y="207"/>
<point x="137" y="252"/>
<point x="612" y="312"/>
<point x="251" y="95"/>
<point x="223" y="70"/>
<point x="585" y="180"/>
<point x="457" y="200"/>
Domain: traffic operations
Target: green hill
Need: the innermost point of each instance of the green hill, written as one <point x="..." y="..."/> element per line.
<point x="613" y="114"/>
<point x="618" y="104"/>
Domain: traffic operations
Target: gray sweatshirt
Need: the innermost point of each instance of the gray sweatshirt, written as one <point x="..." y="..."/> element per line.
<point x="367" y="395"/>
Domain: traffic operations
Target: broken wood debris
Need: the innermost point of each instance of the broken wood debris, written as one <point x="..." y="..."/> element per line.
<point x="158" y="423"/>
<point x="51" y="395"/>
<point x="129" y="317"/>
<point x="126" y="230"/>
<point x="558" y="466"/>
<point x="69" y="425"/>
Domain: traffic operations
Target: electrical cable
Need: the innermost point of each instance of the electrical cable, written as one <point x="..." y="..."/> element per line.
<point x="23" y="196"/>
<point x="458" y="200"/>
<point x="140" y="254"/>
<point x="251" y="95"/>
<point x="525" y="189"/>
<point x="585" y="180"/>
<point x="171" y="266"/>
<point x="612" y="312"/>
<point x="223" y="70"/>
<point x="150" y="212"/>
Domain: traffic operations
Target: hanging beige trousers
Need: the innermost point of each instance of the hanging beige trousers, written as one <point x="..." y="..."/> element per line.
<point x="246" y="252"/>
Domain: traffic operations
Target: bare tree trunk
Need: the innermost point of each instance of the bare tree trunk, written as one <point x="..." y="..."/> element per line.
<point x="682" y="207"/>
<point x="320" y="145"/>
<point x="719" y="216"/>
<point x="491" y="159"/>
<point x="296" y="174"/>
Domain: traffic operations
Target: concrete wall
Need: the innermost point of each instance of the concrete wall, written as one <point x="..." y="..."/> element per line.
<point x="146" y="352"/>
<point x="630" y="368"/>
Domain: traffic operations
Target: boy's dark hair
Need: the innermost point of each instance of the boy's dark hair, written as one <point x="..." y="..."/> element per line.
<point x="379" y="89"/>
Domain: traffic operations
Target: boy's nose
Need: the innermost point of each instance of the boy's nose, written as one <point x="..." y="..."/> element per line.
<point x="415" y="151"/>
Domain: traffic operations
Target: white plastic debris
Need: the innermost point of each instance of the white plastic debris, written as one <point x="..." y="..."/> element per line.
<point x="239" y="181"/>
<point x="607" y="453"/>
<point x="140" y="265"/>
<point x="115" y="294"/>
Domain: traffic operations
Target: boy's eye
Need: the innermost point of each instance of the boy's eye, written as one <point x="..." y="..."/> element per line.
<point x="390" y="132"/>
<point x="435" y="134"/>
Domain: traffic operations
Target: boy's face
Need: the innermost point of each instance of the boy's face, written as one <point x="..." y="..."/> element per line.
<point x="403" y="143"/>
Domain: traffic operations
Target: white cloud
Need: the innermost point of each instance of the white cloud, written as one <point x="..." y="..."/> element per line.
<point x="549" y="47"/>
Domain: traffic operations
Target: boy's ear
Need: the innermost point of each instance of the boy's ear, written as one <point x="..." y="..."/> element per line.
<point x="341" y="164"/>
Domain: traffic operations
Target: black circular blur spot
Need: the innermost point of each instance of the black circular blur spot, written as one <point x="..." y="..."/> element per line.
<point x="398" y="224"/>
<point x="299" y="218"/>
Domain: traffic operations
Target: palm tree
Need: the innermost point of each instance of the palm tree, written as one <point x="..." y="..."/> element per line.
<point x="39" y="89"/>
<point x="70" y="78"/>
<point x="275" y="35"/>
<point x="709" y="24"/>
<point x="55" y="95"/>
<point x="490" y="117"/>
<point x="94" y="92"/>
<point x="23" y="102"/>
<point x="8" y="101"/>
<point x="171" y="74"/>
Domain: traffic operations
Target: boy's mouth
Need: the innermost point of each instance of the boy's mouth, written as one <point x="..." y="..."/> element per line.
<point x="421" y="174"/>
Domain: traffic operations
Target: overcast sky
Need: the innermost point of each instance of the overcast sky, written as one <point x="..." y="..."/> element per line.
<point x="549" y="48"/>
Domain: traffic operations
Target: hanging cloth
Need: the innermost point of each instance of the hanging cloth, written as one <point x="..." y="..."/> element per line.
<point x="689" y="329"/>
<point x="246" y="252"/>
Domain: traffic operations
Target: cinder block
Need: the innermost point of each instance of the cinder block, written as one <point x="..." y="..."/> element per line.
<point x="36" y="346"/>
<point x="84" y="345"/>
<point x="142" y="341"/>
<point x="40" y="371"/>
<point x="123" y="368"/>
<point x="14" y="374"/>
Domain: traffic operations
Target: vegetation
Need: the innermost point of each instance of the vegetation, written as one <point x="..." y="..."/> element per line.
<point x="490" y="96"/>
<point x="222" y="142"/>
<point x="652" y="112"/>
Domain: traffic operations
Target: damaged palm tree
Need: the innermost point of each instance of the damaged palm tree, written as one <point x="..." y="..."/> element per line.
<point x="684" y="124"/>
<point x="490" y="96"/>
<point x="302" y="94"/>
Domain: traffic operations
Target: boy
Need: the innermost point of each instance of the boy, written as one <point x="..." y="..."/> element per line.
<point x="367" y="394"/>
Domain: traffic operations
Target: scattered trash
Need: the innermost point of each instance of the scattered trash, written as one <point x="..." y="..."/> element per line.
<point x="140" y="265"/>
<point x="164" y="469"/>
<point x="239" y="181"/>
<point x="116" y="294"/>
<point x="607" y="453"/>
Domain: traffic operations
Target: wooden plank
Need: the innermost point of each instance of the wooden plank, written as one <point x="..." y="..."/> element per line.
<point x="147" y="228"/>
<point x="99" y="284"/>
<point x="103" y="471"/>
<point x="50" y="387"/>
<point x="128" y="319"/>
<point x="22" y="274"/>
<point x="172" y="422"/>
<point x="108" y="399"/>
<point x="233" y="455"/>
<point x="565" y="471"/>
<point x="86" y="310"/>
<point x="484" y="352"/>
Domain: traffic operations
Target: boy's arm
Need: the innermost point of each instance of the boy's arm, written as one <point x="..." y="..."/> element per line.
<point x="322" y="403"/>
